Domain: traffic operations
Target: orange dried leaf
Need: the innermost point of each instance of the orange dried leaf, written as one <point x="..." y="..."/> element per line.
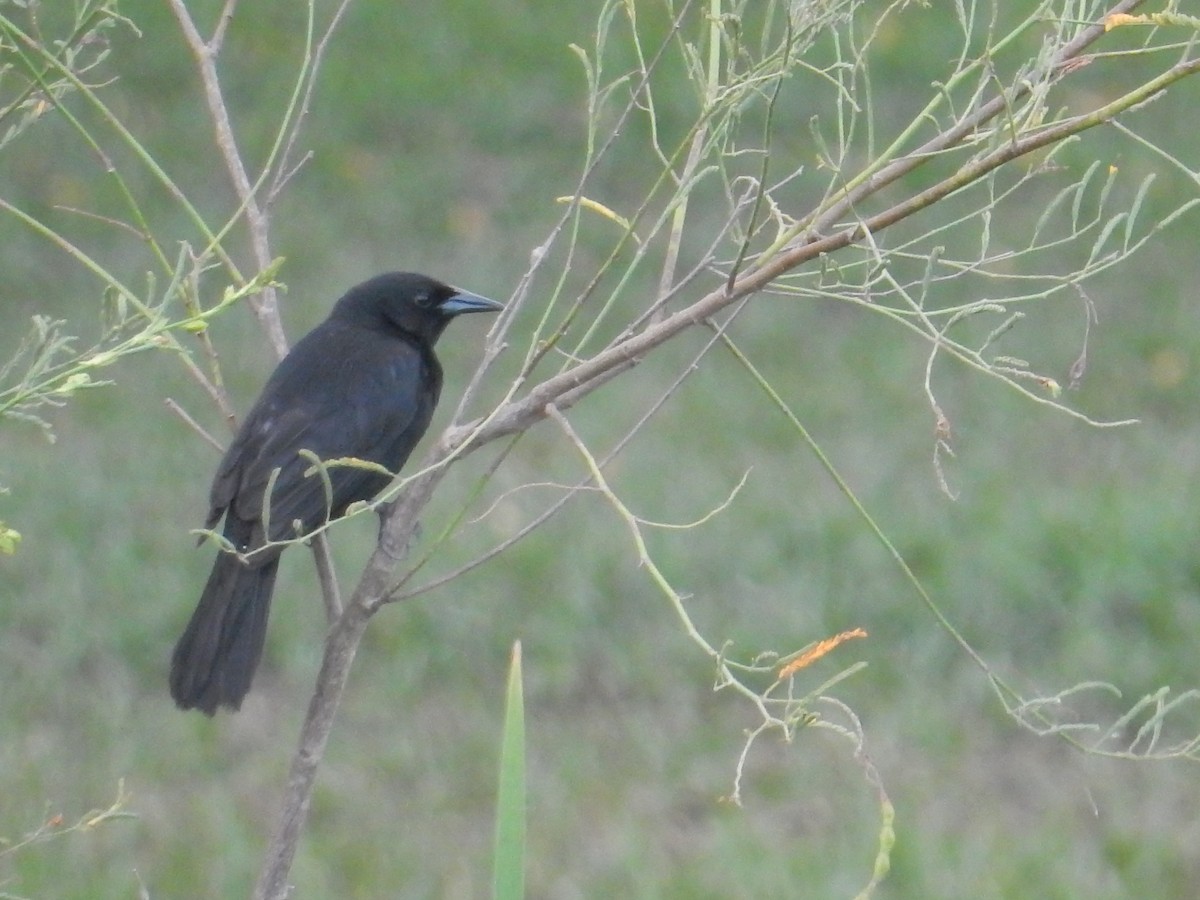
<point x="817" y="650"/>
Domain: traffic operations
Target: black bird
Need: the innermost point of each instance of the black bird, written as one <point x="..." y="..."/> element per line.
<point x="361" y="384"/>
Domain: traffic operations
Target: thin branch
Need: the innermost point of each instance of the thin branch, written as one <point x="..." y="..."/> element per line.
<point x="285" y="169"/>
<point x="519" y="414"/>
<point x="340" y="647"/>
<point x="218" y="39"/>
<point x="572" y="490"/>
<point x="331" y="593"/>
<point x="216" y="392"/>
<point x="193" y="424"/>
<point x="498" y="335"/>
<point x="725" y="677"/>
<point x="265" y="306"/>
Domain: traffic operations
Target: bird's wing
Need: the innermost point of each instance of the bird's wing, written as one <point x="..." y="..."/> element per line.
<point x="359" y="396"/>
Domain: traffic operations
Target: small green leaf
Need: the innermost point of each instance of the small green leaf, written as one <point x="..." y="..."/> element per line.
<point x="195" y="326"/>
<point x="9" y="538"/>
<point x="72" y="383"/>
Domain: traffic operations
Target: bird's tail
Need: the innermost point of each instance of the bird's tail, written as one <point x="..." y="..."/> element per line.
<point x="214" y="662"/>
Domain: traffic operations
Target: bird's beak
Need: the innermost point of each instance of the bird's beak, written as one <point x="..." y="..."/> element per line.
<point x="466" y="302"/>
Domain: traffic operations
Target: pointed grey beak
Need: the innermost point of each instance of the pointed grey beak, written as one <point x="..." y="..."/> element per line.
<point x="466" y="302"/>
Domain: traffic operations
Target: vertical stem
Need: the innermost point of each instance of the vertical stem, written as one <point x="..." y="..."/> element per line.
<point x="341" y="645"/>
<point x="330" y="592"/>
<point x="340" y="648"/>
<point x="266" y="307"/>
<point x="679" y="217"/>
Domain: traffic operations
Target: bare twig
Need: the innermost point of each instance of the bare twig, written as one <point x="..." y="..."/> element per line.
<point x="193" y="424"/>
<point x="340" y="647"/>
<point x="571" y="491"/>
<point x="520" y="414"/>
<point x="266" y="307"/>
<point x="890" y="173"/>
<point x="330" y="591"/>
<point x="285" y="168"/>
<point x="218" y="39"/>
<point x="215" y="391"/>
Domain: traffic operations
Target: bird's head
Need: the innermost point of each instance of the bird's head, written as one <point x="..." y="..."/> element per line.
<point x="410" y="303"/>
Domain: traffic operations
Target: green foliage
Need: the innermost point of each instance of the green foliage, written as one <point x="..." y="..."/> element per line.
<point x="9" y="539"/>
<point x="40" y="68"/>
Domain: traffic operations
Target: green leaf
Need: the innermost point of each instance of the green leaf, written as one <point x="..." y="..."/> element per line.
<point x="509" y="862"/>
<point x="9" y="538"/>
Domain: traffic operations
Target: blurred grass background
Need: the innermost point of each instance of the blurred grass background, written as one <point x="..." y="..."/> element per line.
<point x="441" y="135"/>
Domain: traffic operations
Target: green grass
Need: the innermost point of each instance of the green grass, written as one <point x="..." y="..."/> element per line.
<point x="1069" y="556"/>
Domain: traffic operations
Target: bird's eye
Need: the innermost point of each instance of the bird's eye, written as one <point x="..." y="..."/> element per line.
<point x="423" y="300"/>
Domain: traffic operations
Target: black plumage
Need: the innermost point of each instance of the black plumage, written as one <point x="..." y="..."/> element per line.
<point x="362" y="384"/>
